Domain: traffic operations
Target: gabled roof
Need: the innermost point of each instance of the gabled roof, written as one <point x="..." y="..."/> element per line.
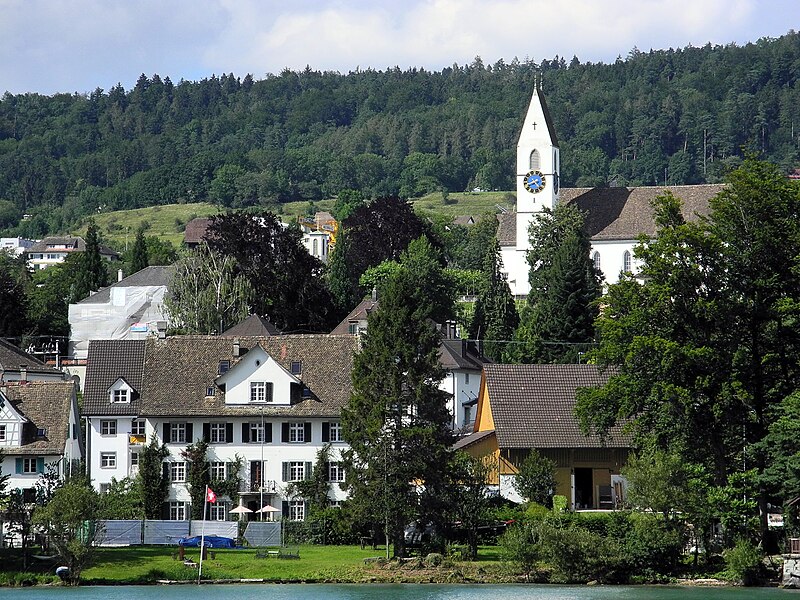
<point x="46" y="405"/>
<point x="620" y="213"/>
<point x="173" y="374"/>
<point x="12" y="359"/>
<point x="71" y="243"/>
<point x="155" y="276"/>
<point x="533" y="406"/>
<point x="359" y="313"/>
<point x="253" y="326"/>
<point x="195" y="231"/>
<point x="472" y="438"/>
<point x="458" y="354"/>
<point x="464" y="220"/>
<point x="108" y="361"/>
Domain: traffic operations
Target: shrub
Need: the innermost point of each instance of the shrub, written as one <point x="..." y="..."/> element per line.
<point x="743" y="563"/>
<point x="579" y="556"/>
<point x="653" y="548"/>
<point x="520" y="546"/>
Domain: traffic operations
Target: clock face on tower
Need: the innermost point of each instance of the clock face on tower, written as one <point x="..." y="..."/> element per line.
<point x="534" y="181"/>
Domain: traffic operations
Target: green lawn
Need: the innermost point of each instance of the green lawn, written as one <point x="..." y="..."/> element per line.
<point x="316" y="564"/>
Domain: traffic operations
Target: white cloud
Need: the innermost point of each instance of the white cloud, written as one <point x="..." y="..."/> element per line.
<point x="49" y="45"/>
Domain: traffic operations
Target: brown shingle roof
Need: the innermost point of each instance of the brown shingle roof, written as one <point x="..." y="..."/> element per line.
<point x="12" y="358"/>
<point x="460" y="354"/>
<point x="107" y="361"/>
<point x="621" y="213"/>
<point x="179" y="369"/>
<point x="195" y="231"/>
<point x="72" y="243"/>
<point x="46" y="405"/>
<point x="359" y="313"/>
<point x="253" y="326"/>
<point x="533" y="406"/>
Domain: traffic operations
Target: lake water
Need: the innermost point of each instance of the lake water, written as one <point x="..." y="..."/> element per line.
<point x="393" y="592"/>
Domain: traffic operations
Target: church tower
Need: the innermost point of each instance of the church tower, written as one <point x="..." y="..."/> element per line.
<point x="538" y="166"/>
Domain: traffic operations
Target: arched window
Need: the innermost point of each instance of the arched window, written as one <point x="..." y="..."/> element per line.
<point x="626" y="262"/>
<point x="536" y="162"/>
<point x="596" y="260"/>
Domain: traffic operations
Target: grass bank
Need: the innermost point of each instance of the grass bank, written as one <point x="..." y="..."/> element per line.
<point x="317" y="564"/>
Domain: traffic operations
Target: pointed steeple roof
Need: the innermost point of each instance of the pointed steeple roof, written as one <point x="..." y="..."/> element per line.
<point x="548" y="119"/>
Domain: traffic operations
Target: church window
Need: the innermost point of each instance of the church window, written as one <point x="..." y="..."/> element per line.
<point x="536" y="161"/>
<point x="596" y="260"/>
<point x="626" y="262"/>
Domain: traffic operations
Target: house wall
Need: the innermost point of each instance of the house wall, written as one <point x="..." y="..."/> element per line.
<point x="117" y="443"/>
<point x="611" y="258"/>
<point x="26" y="481"/>
<point x="257" y="365"/>
<point x="463" y="386"/>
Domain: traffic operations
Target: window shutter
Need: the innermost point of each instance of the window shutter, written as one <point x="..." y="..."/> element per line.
<point x="307" y="432"/>
<point x="165" y="439"/>
<point x="206" y="432"/>
<point x="245" y="433"/>
<point x="327" y="471"/>
<point x="267" y="433"/>
<point x="308" y="469"/>
<point x="165" y="470"/>
<point x="165" y="511"/>
<point x="189" y="434"/>
<point x="285" y="509"/>
<point x="228" y="433"/>
<point x="305" y="510"/>
<point x="40" y="464"/>
<point x="326" y="432"/>
<point x="285" y="471"/>
<point x="284" y="432"/>
<point x="230" y="470"/>
<point x="19" y="466"/>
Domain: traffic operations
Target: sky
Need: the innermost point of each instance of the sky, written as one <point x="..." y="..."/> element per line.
<point x="50" y="46"/>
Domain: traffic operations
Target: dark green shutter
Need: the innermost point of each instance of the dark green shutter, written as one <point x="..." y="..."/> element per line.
<point x="285" y="471"/>
<point x="245" y="433"/>
<point x="268" y="433"/>
<point x="189" y="433"/>
<point x="285" y="509"/>
<point x="308" y="469"/>
<point x="166" y="433"/>
<point x="284" y="432"/>
<point x="327" y="471"/>
<point x="19" y="466"/>
<point x="39" y="464"/>
<point x="206" y="432"/>
<point x="326" y="432"/>
<point x="228" y="433"/>
<point x="306" y="432"/>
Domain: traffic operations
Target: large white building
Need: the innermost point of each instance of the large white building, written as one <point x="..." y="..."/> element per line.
<point x="615" y="216"/>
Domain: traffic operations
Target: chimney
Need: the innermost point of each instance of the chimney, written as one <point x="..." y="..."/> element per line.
<point x="161" y="328"/>
<point x="119" y="274"/>
<point x="374" y="294"/>
<point x="236" y="347"/>
<point x="23" y="373"/>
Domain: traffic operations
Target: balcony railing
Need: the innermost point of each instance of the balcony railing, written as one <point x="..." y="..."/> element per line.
<point x="269" y="486"/>
<point x="137" y="440"/>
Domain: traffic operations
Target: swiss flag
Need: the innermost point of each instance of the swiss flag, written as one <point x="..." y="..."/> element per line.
<point x="210" y="495"/>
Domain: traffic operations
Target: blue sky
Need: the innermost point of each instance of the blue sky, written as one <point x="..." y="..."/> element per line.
<point x="50" y="46"/>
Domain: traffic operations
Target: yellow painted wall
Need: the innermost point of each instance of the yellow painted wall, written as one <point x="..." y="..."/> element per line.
<point x="484" y="420"/>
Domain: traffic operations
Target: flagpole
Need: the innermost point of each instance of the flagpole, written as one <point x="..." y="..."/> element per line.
<point x="202" y="535"/>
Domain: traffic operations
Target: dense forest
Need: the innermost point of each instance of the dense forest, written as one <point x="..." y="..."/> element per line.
<point x="676" y="116"/>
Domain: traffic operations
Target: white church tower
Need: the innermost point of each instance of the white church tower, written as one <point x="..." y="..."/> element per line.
<point x="538" y="165"/>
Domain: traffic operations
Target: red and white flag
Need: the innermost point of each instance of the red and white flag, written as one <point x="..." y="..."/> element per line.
<point x="210" y="495"/>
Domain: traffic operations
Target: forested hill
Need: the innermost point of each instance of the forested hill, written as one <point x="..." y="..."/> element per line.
<point x="684" y="115"/>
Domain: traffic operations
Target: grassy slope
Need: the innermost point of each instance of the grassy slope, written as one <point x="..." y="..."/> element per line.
<point x="167" y="221"/>
<point x="316" y="564"/>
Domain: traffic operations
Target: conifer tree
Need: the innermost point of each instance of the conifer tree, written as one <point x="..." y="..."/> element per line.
<point x="396" y="421"/>
<point x="139" y="255"/>
<point x="558" y="321"/>
<point x="496" y="316"/>
<point x="92" y="273"/>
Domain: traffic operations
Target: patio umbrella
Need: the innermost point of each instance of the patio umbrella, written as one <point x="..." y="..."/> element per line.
<point x="269" y="509"/>
<point x="240" y="510"/>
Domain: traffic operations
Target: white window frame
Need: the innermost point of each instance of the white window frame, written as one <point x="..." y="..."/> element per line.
<point x="177" y="472"/>
<point x="108" y="460"/>
<point x="120" y="396"/>
<point x="216" y="433"/>
<point x="216" y="471"/>
<point x="257" y="430"/>
<point x="596" y="260"/>
<point x="297" y="510"/>
<point x="177" y="433"/>
<point x="138" y="427"/>
<point x="627" y="262"/>
<point x="297" y="433"/>
<point x="535" y="160"/>
<point x="29" y="465"/>
<point x="335" y="432"/>
<point x="216" y="511"/>
<point x="335" y="472"/>
<point x="261" y="392"/>
<point x="135" y="460"/>
<point x="105" y="488"/>
<point x="108" y="427"/>
<point x="297" y="470"/>
<point x="177" y="510"/>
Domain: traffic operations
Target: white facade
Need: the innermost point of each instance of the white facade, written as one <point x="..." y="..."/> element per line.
<point x="613" y="258"/>
<point x="463" y="386"/>
<point x="15" y="245"/>
<point x="316" y="242"/>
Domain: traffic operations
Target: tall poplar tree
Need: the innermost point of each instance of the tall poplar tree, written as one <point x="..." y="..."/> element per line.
<point x="139" y="255"/>
<point x="396" y="421"/>
<point x="92" y="273"/>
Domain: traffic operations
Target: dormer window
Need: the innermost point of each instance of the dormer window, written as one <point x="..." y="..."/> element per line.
<point x="260" y="391"/>
<point x="297" y="367"/>
<point x="120" y="393"/>
<point x="41" y="432"/>
<point x="120" y="396"/>
<point x="224" y="366"/>
<point x="352" y="328"/>
<point x="210" y="390"/>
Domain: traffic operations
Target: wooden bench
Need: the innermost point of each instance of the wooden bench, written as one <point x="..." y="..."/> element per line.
<point x="289" y="553"/>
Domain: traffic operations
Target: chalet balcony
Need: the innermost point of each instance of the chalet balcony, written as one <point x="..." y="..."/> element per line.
<point x="137" y="440"/>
